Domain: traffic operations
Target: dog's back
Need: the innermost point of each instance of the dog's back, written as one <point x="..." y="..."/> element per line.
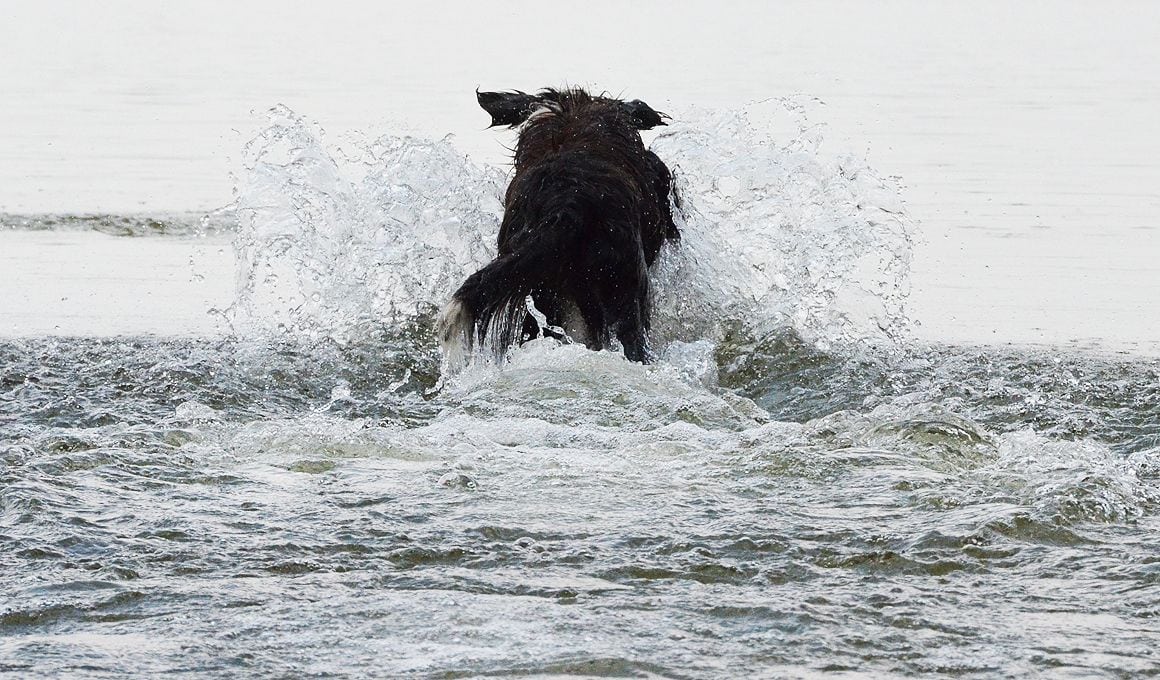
<point x="585" y="215"/>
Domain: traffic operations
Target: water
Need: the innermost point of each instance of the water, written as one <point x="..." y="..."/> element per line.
<point x="222" y="509"/>
<point x="228" y="447"/>
<point x="796" y="487"/>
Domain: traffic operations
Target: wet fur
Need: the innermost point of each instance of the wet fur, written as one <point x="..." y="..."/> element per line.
<point x="585" y="215"/>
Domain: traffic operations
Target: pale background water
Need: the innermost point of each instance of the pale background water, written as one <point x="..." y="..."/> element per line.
<point x="1026" y="134"/>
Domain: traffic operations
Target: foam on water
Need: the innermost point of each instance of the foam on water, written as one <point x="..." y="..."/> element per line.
<point x="235" y="502"/>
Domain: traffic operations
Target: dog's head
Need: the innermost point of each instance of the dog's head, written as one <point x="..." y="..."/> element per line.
<point x="516" y="108"/>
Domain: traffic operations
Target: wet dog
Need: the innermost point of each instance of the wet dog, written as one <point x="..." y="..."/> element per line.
<point x="585" y="215"/>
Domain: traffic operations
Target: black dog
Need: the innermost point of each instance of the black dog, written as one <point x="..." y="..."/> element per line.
<point x="584" y="217"/>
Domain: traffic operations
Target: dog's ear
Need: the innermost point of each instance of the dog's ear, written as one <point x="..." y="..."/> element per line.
<point x="643" y="115"/>
<point x="507" y="108"/>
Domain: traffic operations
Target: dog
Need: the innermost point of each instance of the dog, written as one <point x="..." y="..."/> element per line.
<point x="585" y="216"/>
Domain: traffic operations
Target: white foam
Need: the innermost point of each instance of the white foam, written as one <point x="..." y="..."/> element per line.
<point x="338" y="240"/>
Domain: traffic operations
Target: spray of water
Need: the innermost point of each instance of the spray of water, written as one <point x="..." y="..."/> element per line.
<point x="779" y="235"/>
<point x="342" y="241"/>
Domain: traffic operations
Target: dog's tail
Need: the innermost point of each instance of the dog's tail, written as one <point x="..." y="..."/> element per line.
<point x="491" y="305"/>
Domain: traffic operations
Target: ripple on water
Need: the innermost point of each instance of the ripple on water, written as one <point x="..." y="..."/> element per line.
<point x="571" y="491"/>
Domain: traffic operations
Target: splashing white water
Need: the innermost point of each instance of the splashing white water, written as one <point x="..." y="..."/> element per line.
<point x="337" y="241"/>
<point x="778" y="234"/>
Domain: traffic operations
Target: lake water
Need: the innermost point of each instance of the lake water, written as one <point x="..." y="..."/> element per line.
<point x="907" y="416"/>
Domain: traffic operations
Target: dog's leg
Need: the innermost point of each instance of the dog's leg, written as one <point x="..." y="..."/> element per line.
<point x="633" y="335"/>
<point x="573" y="323"/>
<point x="633" y="312"/>
<point x="592" y="318"/>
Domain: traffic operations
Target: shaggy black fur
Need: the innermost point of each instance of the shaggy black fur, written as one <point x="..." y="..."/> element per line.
<point x="584" y="217"/>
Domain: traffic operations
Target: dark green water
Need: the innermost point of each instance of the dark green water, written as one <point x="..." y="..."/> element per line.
<point x="229" y="508"/>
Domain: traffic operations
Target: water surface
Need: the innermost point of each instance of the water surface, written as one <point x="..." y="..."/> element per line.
<point x="906" y="420"/>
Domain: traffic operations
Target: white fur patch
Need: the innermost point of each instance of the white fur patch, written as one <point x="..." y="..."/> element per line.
<point x="456" y="329"/>
<point x="545" y="110"/>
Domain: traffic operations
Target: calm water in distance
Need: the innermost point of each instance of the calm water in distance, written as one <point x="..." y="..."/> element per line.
<point x="1025" y="134"/>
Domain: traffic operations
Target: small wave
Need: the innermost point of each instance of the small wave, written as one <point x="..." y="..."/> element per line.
<point x="561" y="405"/>
<point x="1069" y="482"/>
<point x="222" y="221"/>
<point x="1058" y="483"/>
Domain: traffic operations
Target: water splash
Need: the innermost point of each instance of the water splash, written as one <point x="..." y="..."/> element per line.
<point x="341" y="241"/>
<point x="780" y="235"/>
